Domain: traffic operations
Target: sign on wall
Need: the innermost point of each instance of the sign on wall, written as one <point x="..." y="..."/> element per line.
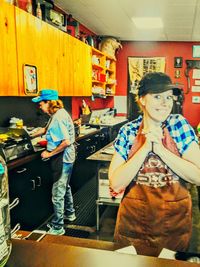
<point x="138" y="66"/>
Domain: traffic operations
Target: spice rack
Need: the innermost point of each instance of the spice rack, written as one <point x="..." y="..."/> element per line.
<point x="103" y="74"/>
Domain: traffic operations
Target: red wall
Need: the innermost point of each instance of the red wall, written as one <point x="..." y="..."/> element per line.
<point x="98" y="103"/>
<point x="169" y="50"/>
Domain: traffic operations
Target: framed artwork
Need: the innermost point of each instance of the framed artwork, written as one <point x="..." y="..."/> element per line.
<point x="177" y="74"/>
<point x="138" y="66"/>
<point x="30" y="79"/>
<point x="196" y="51"/>
<point x="178" y="62"/>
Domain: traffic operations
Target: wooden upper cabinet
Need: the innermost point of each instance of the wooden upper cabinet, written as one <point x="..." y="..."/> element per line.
<point x="8" y="51"/>
<point x="74" y="67"/>
<point x="81" y="57"/>
<point x="62" y="61"/>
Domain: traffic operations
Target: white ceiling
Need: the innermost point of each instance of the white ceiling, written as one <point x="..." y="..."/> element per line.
<point x="181" y="18"/>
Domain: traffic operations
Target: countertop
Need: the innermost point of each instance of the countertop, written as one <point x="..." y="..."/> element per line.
<point x="104" y="154"/>
<point x="37" y="151"/>
<point x="113" y="122"/>
<point x="40" y="254"/>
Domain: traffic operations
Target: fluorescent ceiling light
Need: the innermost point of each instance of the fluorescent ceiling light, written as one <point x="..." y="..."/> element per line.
<point x="148" y="22"/>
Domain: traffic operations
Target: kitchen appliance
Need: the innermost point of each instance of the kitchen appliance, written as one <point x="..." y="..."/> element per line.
<point x="14" y="143"/>
<point x="53" y="17"/>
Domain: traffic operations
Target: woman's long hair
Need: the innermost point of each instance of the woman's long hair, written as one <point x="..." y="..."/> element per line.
<point x="55" y="105"/>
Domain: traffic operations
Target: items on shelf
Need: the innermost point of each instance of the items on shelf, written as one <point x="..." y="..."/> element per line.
<point x="98" y="90"/>
<point x="38" y="11"/>
<point x="110" y="46"/>
<point x="29" y="7"/>
<point x="103" y="73"/>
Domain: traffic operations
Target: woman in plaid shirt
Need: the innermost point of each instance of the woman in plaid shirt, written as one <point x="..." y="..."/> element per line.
<point x="156" y="155"/>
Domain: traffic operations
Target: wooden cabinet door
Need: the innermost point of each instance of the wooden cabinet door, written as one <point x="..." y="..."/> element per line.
<point x="29" y="31"/>
<point x="37" y="45"/>
<point x="65" y="69"/>
<point x="81" y="57"/>
<point x="8" y="51"/>
<point x="74" y="67"/>
<point x="50" y="55"/>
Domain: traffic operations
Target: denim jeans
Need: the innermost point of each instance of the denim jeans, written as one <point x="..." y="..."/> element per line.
<point x="62" y="197"/>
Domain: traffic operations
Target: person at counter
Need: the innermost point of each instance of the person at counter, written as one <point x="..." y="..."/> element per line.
<point x="61" y="151"/>
<point x="155" y="156"/>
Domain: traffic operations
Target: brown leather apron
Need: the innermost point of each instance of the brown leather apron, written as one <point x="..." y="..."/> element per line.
<point x="155" y="211"/>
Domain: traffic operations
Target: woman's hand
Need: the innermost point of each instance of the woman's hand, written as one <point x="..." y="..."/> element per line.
<point x="45" y="154"/>
<point x="154" y="135"/>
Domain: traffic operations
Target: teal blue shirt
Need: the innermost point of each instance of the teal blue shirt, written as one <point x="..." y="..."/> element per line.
<point x="61" y="128"/>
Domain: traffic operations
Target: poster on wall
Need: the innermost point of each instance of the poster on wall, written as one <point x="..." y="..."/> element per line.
<point x="30" y="79"/>
<point x="138" y="66"/>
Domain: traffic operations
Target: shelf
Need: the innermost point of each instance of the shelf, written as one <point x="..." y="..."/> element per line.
<point x="96" y="81"/>
<point x="98" y="67"/>
<point x="103" y="70"/>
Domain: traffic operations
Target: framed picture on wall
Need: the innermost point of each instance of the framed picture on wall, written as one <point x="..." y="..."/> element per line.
<point x="138" y="66"/>
<point x="196" y="51"/>
<point x="30" y="79"/>
<point x="178" y="62"/>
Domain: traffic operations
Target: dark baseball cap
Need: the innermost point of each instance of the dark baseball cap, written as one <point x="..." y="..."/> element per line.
<point x="46" y="94"/>
<point x="157" y="82"/>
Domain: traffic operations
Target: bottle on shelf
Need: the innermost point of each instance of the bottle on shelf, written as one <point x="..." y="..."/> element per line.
<point x="38" y="11"/>
<point x="29" y="8"/>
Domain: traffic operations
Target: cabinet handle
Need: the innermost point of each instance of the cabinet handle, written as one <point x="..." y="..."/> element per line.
<point x="91" y="149"/>
<point x="33" y="184"/>
<point x="22" y="170"/>
<point x="39" y="181"/>
<point x="45" y="159"/>
<point x="14" y="203"/>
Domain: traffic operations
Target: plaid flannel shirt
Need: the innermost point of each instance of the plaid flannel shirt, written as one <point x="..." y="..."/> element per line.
<point x="178" y="127"/>
<point x="180" y="130"/>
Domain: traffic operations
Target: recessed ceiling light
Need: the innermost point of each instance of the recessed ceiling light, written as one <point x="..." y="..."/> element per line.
<point x="148" y="22"/>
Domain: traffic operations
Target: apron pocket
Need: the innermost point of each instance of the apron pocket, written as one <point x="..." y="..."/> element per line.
<point x="131" y="216"/>
<point x="178" y="216"/>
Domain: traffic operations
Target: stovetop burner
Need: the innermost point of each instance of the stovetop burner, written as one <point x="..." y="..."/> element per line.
<point x="14" y="143"/>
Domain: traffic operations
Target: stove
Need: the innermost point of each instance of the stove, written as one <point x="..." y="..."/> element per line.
<point x="14" y="143"/>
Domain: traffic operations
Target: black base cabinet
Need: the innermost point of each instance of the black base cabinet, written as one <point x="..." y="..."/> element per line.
<point x="84" y="170"/>
<point x="32" y="184"/>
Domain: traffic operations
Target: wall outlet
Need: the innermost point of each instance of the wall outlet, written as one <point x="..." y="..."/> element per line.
<point x="196" y="99"/>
